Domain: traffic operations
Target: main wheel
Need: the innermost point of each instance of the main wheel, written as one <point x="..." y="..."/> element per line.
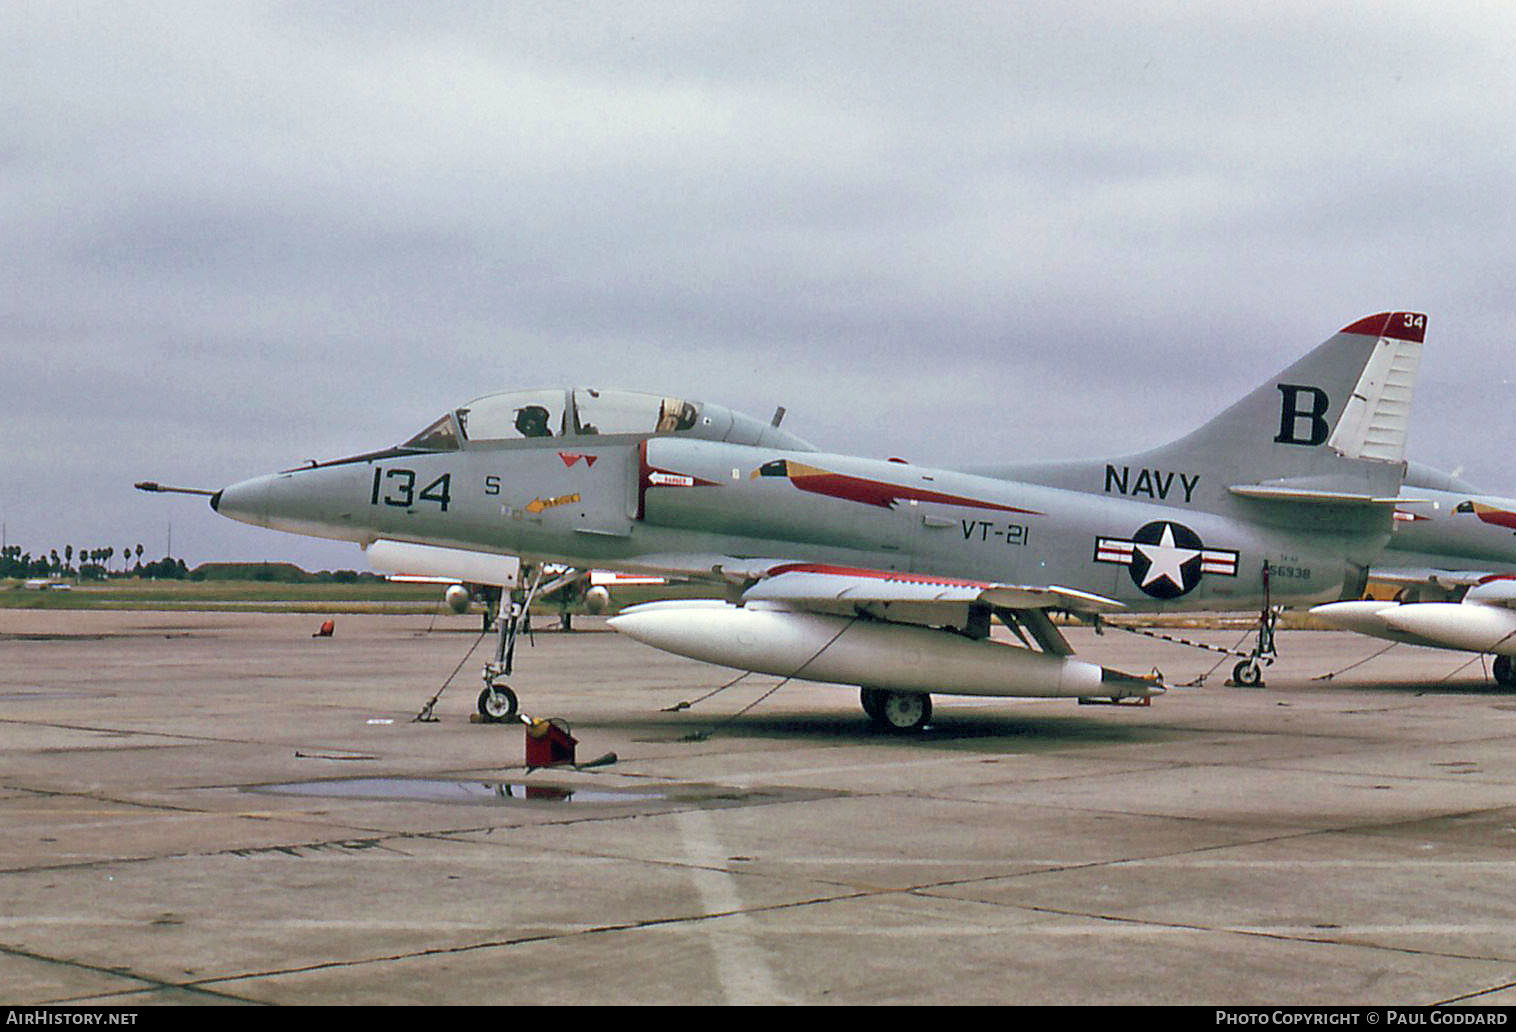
<point x="497" y="704"/>
<point x="904" y="711"/>
<point x="873" y="703"/>
<point x="1248" y="673"/>
<point x="1505" y="671"/>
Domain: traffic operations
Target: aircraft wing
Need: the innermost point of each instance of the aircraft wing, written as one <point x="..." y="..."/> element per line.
<point x="825" y="586"/>
<point x="1424" y="576"/>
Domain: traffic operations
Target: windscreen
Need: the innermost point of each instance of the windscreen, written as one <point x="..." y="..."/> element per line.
<point x="440" y="436"/>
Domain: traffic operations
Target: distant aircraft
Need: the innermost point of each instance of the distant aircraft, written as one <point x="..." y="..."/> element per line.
<point x="884" y="574"/>
<point x="468" y="575"/>
<point x="463" y="574"/>
<point x="1453" y="558"/>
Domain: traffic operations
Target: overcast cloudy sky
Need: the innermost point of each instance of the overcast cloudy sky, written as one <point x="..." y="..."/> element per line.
<point x="237" y="236"/>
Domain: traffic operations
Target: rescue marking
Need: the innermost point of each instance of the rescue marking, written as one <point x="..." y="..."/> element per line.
<point x="537" y="505"/>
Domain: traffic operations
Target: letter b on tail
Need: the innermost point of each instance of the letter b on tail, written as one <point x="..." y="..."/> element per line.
<point x="1303" y="409"/>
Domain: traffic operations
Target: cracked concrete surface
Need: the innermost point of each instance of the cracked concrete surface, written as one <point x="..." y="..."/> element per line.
<point x="1338" y="843"/>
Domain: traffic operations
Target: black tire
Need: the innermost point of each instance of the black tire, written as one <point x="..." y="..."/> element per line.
<point x="498" y="705"/>
<point x="1505" y="672"/>
<point x="873" y="703"/>
<point x="904" y="712"/>
<point x="1248" y="674"/>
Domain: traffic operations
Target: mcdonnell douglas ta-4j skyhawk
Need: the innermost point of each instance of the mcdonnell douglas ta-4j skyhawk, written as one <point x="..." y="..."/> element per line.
<point x="1453" y="561"/>
<point x="884" y="574"/>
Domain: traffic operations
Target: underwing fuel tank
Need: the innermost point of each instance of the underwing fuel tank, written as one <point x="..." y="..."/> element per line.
<point x="1474" y="628"/>
<point x="1467" y="626"/>
<point x="898" y="657"/>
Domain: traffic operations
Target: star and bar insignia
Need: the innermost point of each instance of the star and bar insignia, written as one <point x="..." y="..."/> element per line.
<point x="1166" y="559"/>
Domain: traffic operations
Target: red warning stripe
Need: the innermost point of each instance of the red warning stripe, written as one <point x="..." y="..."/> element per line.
<point x="1395" y="325"/>
<point x="884" y="575"/>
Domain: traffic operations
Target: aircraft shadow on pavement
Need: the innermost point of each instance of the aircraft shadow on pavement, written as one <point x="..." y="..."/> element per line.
<point x="1007" y="732"/>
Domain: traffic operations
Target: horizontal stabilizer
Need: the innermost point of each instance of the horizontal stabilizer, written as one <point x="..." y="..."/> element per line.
<point x="1316" y="496"/>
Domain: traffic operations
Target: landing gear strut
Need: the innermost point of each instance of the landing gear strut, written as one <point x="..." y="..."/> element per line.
<point x="497" y="702"/>
<point x="1249" y="672"/>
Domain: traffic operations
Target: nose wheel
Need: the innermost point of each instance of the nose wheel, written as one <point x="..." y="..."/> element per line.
<point x="498" y="704"/>
<point x="1248" y="673"/>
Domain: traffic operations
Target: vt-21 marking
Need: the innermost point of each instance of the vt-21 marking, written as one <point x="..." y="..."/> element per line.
<point x="984" y="530"/>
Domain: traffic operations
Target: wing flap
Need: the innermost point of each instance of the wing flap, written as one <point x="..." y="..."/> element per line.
<point x="803" y="583"/>
<point x="1419" y="576"/>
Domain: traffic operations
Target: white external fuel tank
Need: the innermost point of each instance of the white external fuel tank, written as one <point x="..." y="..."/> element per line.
<point x="770" y="639"/>
<point x="1453" y="625"/>
<point x="1470" y="625"/>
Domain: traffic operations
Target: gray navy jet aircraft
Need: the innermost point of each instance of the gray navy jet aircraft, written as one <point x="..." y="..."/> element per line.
<point x="884" y="574"/>
<point x="1453" y="560"/>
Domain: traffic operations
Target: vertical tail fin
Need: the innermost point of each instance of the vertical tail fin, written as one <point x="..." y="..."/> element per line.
<point x="1335" y="421"/>
<point x="1347" y="399"/>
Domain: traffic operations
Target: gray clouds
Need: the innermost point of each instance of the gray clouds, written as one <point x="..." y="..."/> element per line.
<point x="239" y="236"/>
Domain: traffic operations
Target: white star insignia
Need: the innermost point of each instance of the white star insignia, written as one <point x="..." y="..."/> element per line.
<point x="1165" y="559"/>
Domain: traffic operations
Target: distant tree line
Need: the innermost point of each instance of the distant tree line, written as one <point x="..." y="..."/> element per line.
<point x="98" y="564"/>
<point x="92" y="563"/>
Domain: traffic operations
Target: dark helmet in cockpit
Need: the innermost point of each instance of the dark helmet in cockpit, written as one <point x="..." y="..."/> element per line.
<point x="531" y="421"/>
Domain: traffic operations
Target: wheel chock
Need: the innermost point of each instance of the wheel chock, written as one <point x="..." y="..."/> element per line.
<point x="548" y="743"/>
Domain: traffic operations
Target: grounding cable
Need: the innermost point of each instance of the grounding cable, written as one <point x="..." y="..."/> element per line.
<point x="425" y="716"/>
<point x="1333" y="673"/>
<point x="700" y="736"/>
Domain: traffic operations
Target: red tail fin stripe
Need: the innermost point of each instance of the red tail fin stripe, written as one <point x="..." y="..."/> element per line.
<point x="1395" y="325"/>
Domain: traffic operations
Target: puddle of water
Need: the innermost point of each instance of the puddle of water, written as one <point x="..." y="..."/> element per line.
<point x="439" y="790"/>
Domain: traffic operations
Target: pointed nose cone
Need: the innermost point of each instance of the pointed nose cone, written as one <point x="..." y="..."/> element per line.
<point x="246" y="501"/>
<point x="319" y="502"/>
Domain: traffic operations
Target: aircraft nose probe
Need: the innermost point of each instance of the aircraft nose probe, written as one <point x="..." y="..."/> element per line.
<point x="157" y="488"/>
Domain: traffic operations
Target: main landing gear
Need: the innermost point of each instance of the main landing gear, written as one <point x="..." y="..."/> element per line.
<point x="1249" y="672"/>
<point x="1505" y="671"/>
<point x="897" y="711"/>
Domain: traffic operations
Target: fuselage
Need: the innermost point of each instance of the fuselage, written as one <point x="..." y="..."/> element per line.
<point x="1453" y="530"/>
<point x="632" y="501"/>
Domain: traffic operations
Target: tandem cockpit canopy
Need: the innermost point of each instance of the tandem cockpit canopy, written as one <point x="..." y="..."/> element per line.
<point x="584" y="412"/>
<point x="518" y="415"/>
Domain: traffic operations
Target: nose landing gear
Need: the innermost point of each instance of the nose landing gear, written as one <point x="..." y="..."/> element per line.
<point x="497" y="702"/>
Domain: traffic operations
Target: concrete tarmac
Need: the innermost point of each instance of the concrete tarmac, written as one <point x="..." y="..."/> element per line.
<point x="220" y="808"/>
